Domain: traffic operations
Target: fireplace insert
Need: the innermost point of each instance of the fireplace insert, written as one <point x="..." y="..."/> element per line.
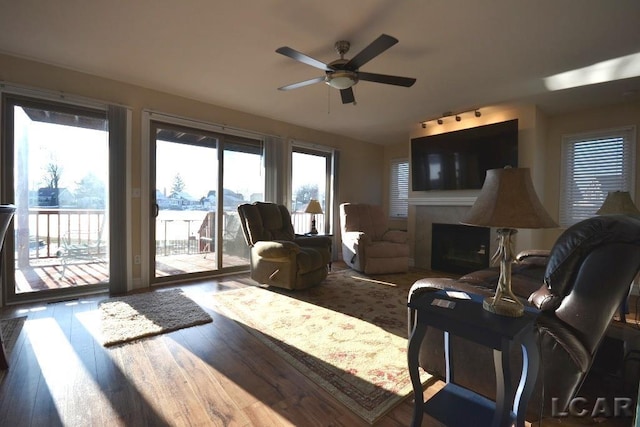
<point x="459" y="249"/>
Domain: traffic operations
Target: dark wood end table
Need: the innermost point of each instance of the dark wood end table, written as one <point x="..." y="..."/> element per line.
<point x="455" y="405"/>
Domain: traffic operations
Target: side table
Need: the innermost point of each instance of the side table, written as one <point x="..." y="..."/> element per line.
<point x="6" y="215"/>
<point x="455" y="405"/>
<point x="330" y="236"/>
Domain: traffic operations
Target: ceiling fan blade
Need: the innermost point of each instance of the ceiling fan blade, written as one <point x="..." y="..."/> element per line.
<point x="302" y="84"/>
<point x="383" y="78"/>
<point x="347" y="96"/>
<point x="305" y="59"/>
<point x="378" y="46"/>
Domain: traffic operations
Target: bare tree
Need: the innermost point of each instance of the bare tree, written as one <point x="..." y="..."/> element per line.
<point x="52" y="175"/>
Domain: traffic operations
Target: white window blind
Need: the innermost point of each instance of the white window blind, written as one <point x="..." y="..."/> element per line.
<point x="592" y="165"/>
<point x="399" y="188"/>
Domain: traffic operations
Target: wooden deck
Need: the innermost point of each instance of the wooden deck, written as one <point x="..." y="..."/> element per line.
<point x="47" y="274"/>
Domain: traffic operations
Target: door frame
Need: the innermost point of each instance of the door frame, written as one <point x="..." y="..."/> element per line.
<point x="118" y="119"/>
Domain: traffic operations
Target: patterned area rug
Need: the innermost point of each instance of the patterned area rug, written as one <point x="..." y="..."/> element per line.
<point x="349" y="334"/>
<point x="142" y="315"/>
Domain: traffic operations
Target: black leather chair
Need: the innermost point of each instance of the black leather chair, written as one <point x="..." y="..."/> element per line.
<point x="587" y="274"/>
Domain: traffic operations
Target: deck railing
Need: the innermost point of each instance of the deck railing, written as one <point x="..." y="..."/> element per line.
<point x="47" y="227"/>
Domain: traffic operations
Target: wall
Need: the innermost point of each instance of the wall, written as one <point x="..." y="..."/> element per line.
<point x="360" y="162"/>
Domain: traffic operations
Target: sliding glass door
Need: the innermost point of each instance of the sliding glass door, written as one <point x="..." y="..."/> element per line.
<point x="199" y="178"/>
<point x="56" y="171"/>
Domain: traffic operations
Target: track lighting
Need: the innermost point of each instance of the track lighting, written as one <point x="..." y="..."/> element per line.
<point x="458" y="117"/>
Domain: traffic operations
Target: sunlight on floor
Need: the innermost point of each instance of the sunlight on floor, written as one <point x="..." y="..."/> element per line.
<point x="368" y="279"/>
<point x="61" y="365"/>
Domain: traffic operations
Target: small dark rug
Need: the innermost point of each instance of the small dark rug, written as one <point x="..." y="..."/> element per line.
<point x="11" y="331"/>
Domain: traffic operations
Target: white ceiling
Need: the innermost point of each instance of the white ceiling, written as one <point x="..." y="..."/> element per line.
<point x="464" y="54"/>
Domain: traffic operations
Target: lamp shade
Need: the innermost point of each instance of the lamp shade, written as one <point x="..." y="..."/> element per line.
<point x="508" y="200"/>
<point x="618" y="202"/>
<point x="313" y="207"/>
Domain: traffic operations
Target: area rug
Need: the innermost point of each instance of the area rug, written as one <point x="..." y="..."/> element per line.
<point x="142" y="315"/>
<point x="11" y="331"/>
<point x="349" y="334"/>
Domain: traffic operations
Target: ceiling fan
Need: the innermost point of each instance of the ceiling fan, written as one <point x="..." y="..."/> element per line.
<point x="343" y="73"/>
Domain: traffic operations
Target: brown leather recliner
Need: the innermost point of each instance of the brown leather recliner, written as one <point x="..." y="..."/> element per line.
<point x="588" y="273"/>
<point x="279" y="257"/>
<point x="368" y="245"/>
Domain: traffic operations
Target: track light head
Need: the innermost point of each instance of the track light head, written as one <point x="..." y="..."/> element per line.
<point x="446" y="114"/>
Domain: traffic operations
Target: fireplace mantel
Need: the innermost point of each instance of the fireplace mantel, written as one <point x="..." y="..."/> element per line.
<point x="442" y="201"/>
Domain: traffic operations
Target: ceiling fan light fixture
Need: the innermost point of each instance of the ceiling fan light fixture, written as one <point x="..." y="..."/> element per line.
<point x="341" y="79"/>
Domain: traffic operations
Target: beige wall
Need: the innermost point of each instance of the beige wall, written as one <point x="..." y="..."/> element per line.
<point x="360" y="162"/>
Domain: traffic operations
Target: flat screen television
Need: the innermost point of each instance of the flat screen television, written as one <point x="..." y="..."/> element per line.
<point x="459" y="160"/>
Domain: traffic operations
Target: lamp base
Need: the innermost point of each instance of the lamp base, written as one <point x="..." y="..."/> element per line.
<point x="503" y="307"/>
<point x="314" y="230"/>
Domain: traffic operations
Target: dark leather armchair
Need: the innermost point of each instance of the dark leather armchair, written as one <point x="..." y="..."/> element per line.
<point x="587" y="274"/>
<point x="278" y="256"/>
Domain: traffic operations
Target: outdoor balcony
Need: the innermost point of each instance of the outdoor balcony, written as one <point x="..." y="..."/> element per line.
<point x="61" y="248"/>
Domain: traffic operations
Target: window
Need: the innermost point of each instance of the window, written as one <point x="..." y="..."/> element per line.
<point x="399" y="188"/>
<point x="311" y="178"/>
<point x="592" y="165"/>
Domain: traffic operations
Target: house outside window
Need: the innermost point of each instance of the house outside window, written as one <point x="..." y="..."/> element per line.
<point x="399" y="188"/>
<point x="593" y="164"/>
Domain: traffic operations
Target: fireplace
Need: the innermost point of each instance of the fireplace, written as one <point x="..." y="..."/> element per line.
<point x="459" y="249"/>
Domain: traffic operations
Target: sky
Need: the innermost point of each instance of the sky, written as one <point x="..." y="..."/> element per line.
<point x="79" y="151"/>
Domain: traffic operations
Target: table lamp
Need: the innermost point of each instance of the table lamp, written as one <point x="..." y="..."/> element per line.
<point x="313" y="208"/>
<point x="507" y="201"/>
<point x="618" y="202"/>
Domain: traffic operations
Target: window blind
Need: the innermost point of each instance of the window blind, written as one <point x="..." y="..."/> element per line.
<point x="592" y="165"/>
<point x="399" y="188"/>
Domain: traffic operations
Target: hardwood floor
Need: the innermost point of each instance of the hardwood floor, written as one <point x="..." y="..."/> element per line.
<point x="215" y="374"/>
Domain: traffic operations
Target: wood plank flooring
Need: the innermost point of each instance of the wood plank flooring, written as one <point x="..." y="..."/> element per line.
<point x="215" y="374"/>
